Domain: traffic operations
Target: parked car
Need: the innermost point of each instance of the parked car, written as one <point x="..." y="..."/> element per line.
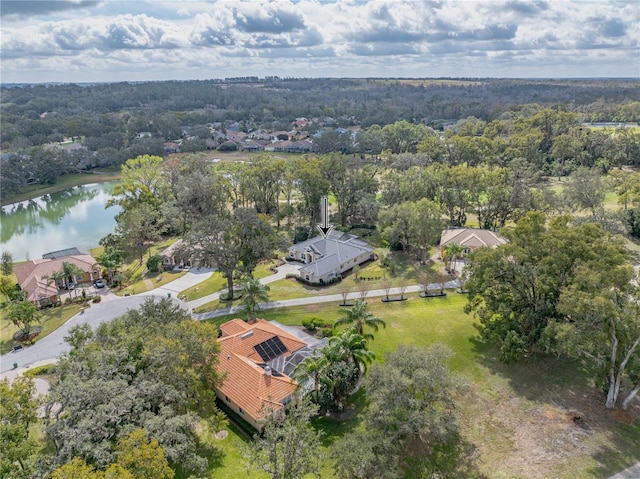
<point x="99" y="283"/>
<point x="70" y="286"/>
<point x="17" y="347"/>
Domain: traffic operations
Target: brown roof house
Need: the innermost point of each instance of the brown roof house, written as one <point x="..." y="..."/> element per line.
<point x="33" y="275"/>
<point x="470" y="238"/>
<point x="257" y="361"/>
<point x="175" y="256"/>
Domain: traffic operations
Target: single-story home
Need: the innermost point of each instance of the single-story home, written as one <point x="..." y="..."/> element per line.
<point x="280" y="145"/>
<point x="172" y="256"/>
<point x="252" y="358"/>
<point x="470" y="238"/>
<point x="251" y="145"/>
<point x="327" y="258"/>
<point x="33" y="275"/>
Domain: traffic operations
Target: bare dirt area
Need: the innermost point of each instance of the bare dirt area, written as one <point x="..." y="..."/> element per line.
<point x="548" y="433"/>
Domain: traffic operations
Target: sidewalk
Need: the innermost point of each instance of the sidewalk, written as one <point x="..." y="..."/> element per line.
<point x="632" y="472"/>
<point x="329" y="298"/>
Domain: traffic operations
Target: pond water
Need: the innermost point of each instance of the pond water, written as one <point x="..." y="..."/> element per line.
<point x="73" y="217"/>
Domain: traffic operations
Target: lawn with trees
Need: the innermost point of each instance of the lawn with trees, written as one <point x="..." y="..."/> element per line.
<point x="540" y="377"/>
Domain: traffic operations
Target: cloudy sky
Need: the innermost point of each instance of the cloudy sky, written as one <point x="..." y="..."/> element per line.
<point x="88" y="41"/>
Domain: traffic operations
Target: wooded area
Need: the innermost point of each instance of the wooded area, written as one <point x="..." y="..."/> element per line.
<point x="399" y="162"/>
<point x="53" y="130"/>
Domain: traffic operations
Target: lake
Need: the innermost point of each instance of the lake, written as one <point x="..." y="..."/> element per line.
<point x="72" y="217"/>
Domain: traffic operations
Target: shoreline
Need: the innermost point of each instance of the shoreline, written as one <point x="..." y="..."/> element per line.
<point x="68" y="181"/>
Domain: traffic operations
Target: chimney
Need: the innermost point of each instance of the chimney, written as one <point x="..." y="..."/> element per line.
<point x="267" y="370"/>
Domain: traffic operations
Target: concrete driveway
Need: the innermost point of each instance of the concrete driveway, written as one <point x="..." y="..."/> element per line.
<point x="42" y="385"/>
<point x="193" y="277"/>
<point x="49" y="348"/>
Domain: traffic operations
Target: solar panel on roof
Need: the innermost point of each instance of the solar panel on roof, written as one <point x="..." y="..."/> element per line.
<point x="270" y="349"/>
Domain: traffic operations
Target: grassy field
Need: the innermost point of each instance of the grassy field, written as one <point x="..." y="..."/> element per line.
<point x="515" y="415"/>
<point x="64" y="182"/>
<point x="52" y="319"/>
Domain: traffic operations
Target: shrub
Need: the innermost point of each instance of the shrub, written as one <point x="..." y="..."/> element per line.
<point x="97" y="298"/>
<point x="314" y="323"/>
<point x="38" y="370"/>
<point x="154" y="263"/>
<point x="325" y="332"/>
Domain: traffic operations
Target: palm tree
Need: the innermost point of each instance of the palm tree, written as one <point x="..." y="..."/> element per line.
<point x="360" y="317"/>
<point x="451" y="252"/>
<point x="54" y="278"/>
<point x="110" y="259"/>
<point x="70" y="270"/>
<point x="312" y="367"/>
<point x="352" y="347"/>
<point x="254" y="292"/>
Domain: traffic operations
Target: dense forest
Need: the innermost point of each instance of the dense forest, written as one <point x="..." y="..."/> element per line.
<point x="103" y="125"/>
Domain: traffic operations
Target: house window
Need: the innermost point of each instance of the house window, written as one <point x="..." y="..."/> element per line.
<point x="241" y="411"/>
<point x="78" y="278"/>
<point x="226" y="398"/>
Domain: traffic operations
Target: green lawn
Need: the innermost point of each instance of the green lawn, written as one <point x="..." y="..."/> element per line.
<point x="141" y="280"/>
<point x="509" y="412"/>
<point x="52" y="319"/>
<point x="371" y="276"/>
<point x="217" y="282"/>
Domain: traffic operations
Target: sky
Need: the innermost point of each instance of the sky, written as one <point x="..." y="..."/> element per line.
<point x="137" y="40"/>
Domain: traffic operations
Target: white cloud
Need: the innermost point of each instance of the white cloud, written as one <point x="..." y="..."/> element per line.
<point x="347" y="38"/>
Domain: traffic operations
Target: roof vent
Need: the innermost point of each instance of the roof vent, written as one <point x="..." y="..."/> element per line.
<point x="267" y="370"/>
<point x="247" y="335"/>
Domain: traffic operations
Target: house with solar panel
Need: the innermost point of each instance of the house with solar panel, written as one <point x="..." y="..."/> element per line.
<point x="257" y="360"/>
<point x="326" y="258"/>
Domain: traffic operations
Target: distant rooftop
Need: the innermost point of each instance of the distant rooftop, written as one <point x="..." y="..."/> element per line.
<point x="63" y="253"/>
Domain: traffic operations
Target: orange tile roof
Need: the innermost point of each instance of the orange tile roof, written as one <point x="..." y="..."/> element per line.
<point x="31" y="275"/>
<point x="246" y="383"/>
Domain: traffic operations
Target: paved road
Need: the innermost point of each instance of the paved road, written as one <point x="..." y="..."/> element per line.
<point x="329" y="298"/>
<point x="53" y="345"/>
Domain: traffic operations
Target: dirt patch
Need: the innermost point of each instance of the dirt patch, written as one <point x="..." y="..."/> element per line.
<point x="222" y="434"/>
<point x="625" y="417"/>
<point x="396" y="326"/>
<point x="543" y="436"/>
<point x="530" y="438"/>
